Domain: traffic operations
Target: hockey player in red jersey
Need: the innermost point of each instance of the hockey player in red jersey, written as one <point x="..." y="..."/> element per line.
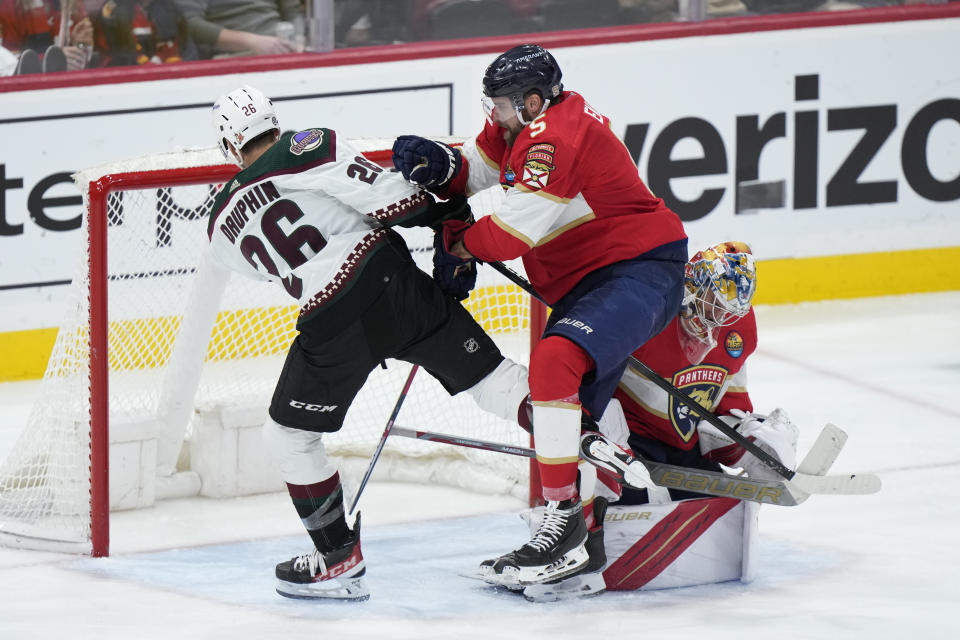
<point x="702" y="352"/>
<point x="605" y="253"/>
<point x="311" y="214"/>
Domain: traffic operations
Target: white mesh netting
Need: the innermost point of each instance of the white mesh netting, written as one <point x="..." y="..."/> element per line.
<point x="163" y="375"/>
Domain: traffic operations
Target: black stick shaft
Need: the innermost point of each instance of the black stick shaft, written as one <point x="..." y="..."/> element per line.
<point x="675" y="393"/>
<point x="383" y="438"/>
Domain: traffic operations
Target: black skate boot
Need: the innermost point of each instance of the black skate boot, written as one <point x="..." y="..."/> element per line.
<point x="595" y="548"/>
<point x="586" y="583"/>
<point x="492" y="571"/>
<point x="334" y="574"/>
<point x="557" y="550"/>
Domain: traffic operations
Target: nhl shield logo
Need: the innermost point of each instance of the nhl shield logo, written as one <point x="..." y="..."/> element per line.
<point x="702" y="384"/>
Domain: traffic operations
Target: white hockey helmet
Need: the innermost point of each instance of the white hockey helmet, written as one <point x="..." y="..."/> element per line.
<point x="719" y="285"/>
<point x="240" y="116"/>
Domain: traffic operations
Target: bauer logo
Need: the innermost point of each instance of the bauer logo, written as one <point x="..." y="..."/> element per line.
<point x="734" y="344"/>
<point x="576" y="324"/>
<point x="305" y="141"/>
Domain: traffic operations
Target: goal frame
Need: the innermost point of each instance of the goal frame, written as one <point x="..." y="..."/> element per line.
<point x="98" y="192"/>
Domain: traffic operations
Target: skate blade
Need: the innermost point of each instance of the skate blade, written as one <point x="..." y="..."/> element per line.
<point x="582" y="585"/>
<point x="348" y="589"/>
<point x="570" y="563"/>
<point x="495" y="579"/>
<point x="627" y="469"/>
<point x="637" y="476"/>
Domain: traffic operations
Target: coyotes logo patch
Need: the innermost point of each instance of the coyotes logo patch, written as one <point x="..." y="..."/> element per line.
<point x="305" y="141"/>
<point x="702" y="383"/>
<point x="537" y="166"/>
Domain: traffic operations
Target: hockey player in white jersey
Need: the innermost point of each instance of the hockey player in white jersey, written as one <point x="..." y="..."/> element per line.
<point x="312" y="214"/>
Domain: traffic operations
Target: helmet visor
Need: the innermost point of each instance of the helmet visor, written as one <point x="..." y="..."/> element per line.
<point x="499" y="109"/>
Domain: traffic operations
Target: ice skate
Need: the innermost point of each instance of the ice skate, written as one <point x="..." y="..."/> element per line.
<point x="335" y="574"/>
<point x="599" y="450"/>
<point x="492" y="572"/>
<point x="587" y="583"/>
<point x="557" y="550"/>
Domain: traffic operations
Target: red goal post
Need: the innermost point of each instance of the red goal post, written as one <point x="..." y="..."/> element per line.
<point x="164" y="361"/>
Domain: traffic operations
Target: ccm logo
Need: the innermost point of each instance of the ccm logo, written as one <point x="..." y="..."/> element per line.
<point x="319" y="408"/>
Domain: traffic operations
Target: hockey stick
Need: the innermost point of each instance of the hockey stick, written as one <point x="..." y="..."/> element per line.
<point x="711" y="483"/>
<point x="785" y="493"/>
<point x="383" y="438"/>
<point x="853" y="483"/>
<point x="678" y="395"/>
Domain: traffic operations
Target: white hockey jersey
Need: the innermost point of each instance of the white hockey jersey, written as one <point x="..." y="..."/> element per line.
<point x="312" y="214"/>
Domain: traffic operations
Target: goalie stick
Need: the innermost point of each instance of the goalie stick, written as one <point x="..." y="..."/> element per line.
<point x="853" y="483"/>
<point x="784" y="493"/>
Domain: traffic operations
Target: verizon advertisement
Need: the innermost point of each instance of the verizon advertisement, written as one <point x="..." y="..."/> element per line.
<point x="804" y="142"/>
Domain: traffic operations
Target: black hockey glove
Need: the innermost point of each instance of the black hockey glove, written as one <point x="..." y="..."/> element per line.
<point x="453" y="208"/>
<point x="455" y="276"/>
<point x="425" y="162"/>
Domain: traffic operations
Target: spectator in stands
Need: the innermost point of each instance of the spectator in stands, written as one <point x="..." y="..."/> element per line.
<point x="128" y="32"/>
<point x="231" y="27"/>
<point x="8" y="62"/>
<point x="371" y="22"/>
<point x="34" y="26"/>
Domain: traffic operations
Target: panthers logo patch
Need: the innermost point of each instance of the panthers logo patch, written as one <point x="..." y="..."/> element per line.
<point x="702" y="383"/>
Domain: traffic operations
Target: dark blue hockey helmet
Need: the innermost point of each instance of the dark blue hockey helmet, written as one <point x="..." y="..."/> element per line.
<point x="520" y="70"/>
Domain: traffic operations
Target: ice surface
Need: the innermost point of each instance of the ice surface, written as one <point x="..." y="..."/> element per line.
<point x="886" y="370"/>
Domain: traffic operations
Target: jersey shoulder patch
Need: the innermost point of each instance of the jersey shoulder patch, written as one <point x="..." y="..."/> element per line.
<point x="310" y="146"/>
<point x="308" y="140"/>
<point x="538" y="164"/>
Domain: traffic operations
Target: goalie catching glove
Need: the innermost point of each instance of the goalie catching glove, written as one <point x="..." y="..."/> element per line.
<point x="773" y="433"/>
<point x="455" y="276"/>
<point x="426" y="163"/>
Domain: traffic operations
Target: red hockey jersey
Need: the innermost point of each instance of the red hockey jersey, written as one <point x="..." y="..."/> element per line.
<point x="718" y="383"/>
<point x="574" y="200"/>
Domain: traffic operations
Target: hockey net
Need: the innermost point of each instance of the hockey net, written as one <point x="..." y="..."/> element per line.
<point x="191" y="351"/>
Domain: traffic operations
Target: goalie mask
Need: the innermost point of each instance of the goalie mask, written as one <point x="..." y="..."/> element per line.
<point x="514" y="74"/>
<point x="719" y="286"/>
<point x="239" y="117"/>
